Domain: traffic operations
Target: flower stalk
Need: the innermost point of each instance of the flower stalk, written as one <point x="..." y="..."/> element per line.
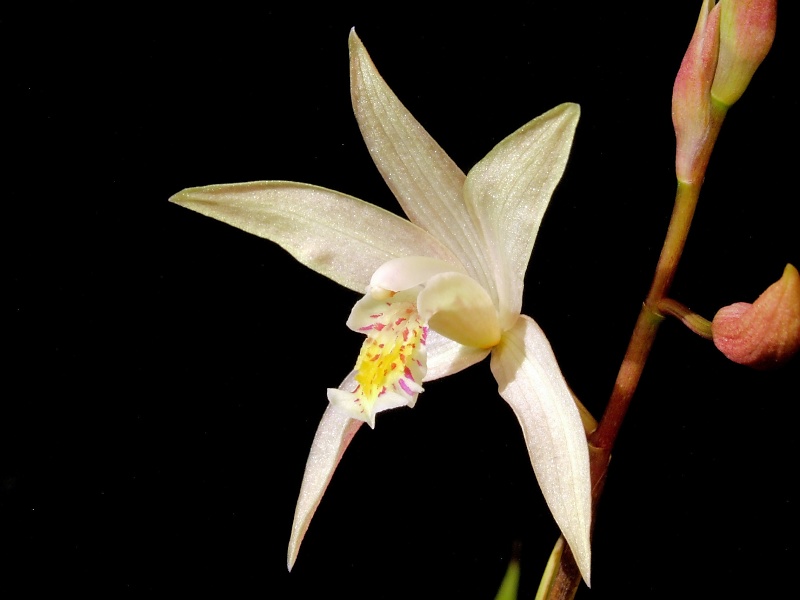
<point x="650" y="317"/>
<point x="567" y="580"/>
<point x="696" y="323"/>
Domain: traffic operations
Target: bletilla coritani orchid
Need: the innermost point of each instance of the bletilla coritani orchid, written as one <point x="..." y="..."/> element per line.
<point x="442" y="290"/>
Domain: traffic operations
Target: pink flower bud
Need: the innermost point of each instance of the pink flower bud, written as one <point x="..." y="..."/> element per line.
<point x="691" y="96"/>
<point x="747" y="28"/>
<point x="764" y="334"/>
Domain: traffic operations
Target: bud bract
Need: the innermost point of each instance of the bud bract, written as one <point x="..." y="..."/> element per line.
<point x="747" y="29"/>
<point x="691" y="96"/>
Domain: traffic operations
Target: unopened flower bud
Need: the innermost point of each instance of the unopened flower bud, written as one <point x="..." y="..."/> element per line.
<point x="747" y="28"/>
<point x="764" y="334"/>
<point x="691" y="96"/>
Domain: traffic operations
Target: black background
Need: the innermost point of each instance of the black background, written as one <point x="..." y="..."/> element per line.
<point x="165" y="373"/>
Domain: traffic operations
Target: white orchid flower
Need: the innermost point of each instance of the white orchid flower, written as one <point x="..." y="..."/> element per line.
<point x="443" y="289"/>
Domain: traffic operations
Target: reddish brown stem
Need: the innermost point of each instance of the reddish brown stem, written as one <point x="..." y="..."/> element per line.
<point x="601" y="441"/>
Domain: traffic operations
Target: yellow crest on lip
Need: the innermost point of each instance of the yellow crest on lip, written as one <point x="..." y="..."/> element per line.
<point x="391" y="365"/>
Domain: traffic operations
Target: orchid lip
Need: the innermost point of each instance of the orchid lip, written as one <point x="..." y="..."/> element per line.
<point x="392" y="361"/>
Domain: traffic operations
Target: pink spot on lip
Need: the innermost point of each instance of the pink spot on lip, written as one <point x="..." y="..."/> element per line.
<point x="408" y="374"/>
<point x="406" y="389"/>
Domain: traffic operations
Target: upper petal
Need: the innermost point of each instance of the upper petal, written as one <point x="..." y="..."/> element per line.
<point x="334" y="434"/>
<point x="426" y="182"/>
<point x="530" y="380"/>
<point x="341" y="237"/>
<point x="508" y="192"/>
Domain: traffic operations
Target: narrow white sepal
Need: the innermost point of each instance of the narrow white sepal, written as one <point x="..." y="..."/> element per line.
<point x="530" y="380"/>
<point x="336" y="235"/>
<point x="335" y="431"/>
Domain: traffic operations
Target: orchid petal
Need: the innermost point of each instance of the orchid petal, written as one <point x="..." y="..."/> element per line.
<point x="334" y="434"/>
<point x="458" y="307"/>
<point x="446" y="357"/>
<point x="530" y="380"/>
<point x="426" y="182"/>
<point x="336" y="235"/>
<point x="508" y="192"/>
